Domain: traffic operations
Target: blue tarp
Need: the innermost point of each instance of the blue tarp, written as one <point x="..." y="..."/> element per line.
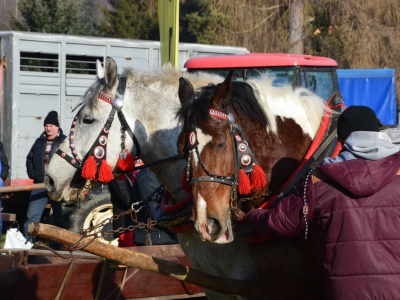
<point x="375" y="88"/>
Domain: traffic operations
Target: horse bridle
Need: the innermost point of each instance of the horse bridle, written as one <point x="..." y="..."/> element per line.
<point x="243" y="158"/>
<point x="99" y="147"/>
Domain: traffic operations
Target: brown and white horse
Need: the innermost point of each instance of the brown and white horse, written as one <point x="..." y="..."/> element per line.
<point x="237" y="127"/>
<point x="232" y="129"/>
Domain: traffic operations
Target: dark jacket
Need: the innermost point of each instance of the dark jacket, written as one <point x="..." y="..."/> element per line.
<point x="124" y="193"/>
<point x="35" y="158"/>
<point x="356" y="205"/>
<point x="5" y="165"/>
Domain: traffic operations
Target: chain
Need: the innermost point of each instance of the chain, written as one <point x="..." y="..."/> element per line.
<point x="305" y="207"/>
<point x="148" y="226"/>
<point x="259" y="196"/>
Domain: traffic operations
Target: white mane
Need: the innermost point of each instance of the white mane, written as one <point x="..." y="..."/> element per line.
<point x="166" y="79"/>
<point x="300" y="104"/>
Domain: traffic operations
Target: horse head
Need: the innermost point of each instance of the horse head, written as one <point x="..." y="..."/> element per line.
<point x="206" y="142"/>
<point x="241" y="145"/>
<point x="89" y="137"/>
<point x="145" y="103"/>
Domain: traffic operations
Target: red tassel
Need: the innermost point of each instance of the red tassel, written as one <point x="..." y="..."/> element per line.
<point x="126" y="164"/>
<point x="244" y="183"/>
<point x="89" y="168"/>
<point x="258" y="180"/>
<point x="105" y="172"/>
<point x="126" y="239"/>
<point x="184" y="185"/>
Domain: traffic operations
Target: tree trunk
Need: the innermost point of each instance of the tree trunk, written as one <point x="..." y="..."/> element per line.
<point x="296" y="30"/>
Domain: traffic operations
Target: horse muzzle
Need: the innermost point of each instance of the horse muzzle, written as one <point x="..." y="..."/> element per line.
<point x="52" y="190"/>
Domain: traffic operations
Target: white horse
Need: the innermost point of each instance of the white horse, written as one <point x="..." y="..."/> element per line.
<point x="150" y="102"/>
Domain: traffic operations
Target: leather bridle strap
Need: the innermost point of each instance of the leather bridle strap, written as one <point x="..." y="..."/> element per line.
<point x="228" y="180"/>
<point x="69" y="159"/>
<point x="127" y="128"/>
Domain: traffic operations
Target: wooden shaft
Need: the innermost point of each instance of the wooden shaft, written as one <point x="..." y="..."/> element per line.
<point x="22" y="188"/>
<point x="148" y="263"/>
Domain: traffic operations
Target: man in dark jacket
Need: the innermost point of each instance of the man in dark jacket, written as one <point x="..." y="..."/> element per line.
<point x="36" y="166"/>
<point x="136" y="188"/>
<point x="355" y="200"/>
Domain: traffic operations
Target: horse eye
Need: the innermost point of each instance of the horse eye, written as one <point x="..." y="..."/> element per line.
<point x="221" y="145"/>
<point x="87" y="121"/>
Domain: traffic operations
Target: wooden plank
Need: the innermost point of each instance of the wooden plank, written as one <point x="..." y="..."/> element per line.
<point x="8" y="217"/>
<point x="29" y="187"/>
<point x="49" y="273"/>
<point x="147" y="263"/>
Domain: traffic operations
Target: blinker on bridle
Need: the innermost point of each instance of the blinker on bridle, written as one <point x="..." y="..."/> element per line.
<point x="97" y="153"/>
<point x="244" y="161"/>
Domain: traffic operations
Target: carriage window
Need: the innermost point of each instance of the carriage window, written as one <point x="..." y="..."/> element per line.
<point x="320" y="81"/>
<point x="237" y="75"/>
<point x="283" y="76"/>
<point x="38" y="62"/>
<point x="82" y="64"/>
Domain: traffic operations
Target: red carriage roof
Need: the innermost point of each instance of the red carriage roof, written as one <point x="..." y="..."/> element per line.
<point x="258" y="60"/>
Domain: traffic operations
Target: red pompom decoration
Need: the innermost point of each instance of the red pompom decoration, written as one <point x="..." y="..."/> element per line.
<point x="121" y="177"/>
<point x="126" y="239"/>
<point x="244" y="183"/>
<point x="258" y="179"/>
<point x="127" y="163"/>
<point x="105" y="172"/>
<point x="89" y="168"/>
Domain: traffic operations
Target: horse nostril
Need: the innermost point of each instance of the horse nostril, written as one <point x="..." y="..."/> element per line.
<point x="49" y="183"/>
<point x="215" y="226"/>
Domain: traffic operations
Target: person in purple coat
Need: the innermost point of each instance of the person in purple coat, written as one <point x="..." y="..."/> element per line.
<point x="354" y="199"/>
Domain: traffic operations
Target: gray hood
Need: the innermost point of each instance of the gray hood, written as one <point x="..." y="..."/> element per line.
<point x="365" y="144"/>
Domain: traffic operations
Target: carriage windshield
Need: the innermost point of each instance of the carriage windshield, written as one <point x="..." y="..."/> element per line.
<point x="322" y="81"/>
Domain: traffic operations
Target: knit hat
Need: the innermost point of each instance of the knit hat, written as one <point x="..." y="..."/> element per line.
<point x="356" y="118"/>
<point x="52" y="118"/>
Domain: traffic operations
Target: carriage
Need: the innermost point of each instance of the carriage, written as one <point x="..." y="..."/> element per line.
<point x="157" y="133"/>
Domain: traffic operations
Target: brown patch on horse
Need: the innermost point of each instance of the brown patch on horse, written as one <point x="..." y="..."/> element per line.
<point x="278" y="155"/>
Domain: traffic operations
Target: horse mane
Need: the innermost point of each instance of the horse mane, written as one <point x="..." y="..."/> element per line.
<point x="299" y="104"/>
<point x="262" y="100"/>
<point x="90" y="97"/>
<point x="166" y="78"/>
<point x="242" y="100"/>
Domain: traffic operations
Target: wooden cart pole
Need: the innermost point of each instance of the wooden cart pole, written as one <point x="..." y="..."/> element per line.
<point x="23" y="188"/>
<point x="149" y="263"/>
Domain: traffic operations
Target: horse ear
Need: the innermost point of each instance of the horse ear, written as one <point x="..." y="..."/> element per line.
<point x="111" y="73"/>
<point x="99" y="69"/>
<point x="185" y="91"/>
<point x="223" y="90"/>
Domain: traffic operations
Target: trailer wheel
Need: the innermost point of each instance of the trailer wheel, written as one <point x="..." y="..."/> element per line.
<point x="93" y="211"/>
